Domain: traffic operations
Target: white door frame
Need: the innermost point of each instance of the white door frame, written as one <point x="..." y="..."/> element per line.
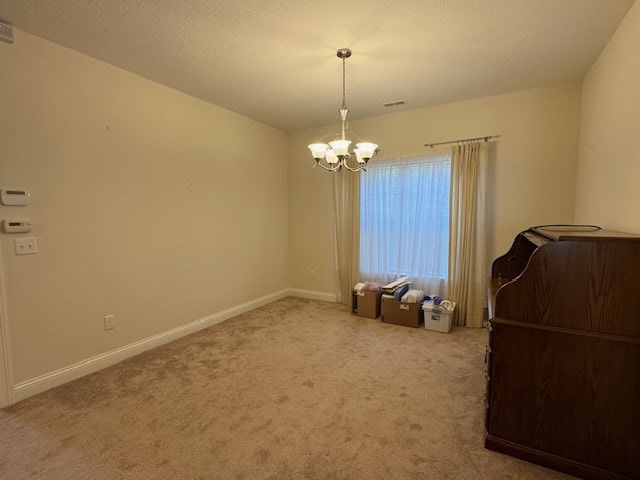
<point x="6" y="370"/>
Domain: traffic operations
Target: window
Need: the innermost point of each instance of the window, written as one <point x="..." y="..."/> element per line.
<point x="404" y="220"/>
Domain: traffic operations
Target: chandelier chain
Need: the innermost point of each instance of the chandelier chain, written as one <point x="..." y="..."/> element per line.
<point x="344" y="82"/>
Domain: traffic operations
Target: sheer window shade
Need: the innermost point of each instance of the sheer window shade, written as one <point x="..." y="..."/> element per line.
<point x="404" y="220"/>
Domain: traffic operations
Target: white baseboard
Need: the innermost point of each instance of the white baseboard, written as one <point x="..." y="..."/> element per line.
<point x="313" y="295"/>
<point x="63" y="375"/>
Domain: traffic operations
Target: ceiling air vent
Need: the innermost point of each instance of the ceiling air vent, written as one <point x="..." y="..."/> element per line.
<point x="395" y="104"/>
<point x="6" y="32"/>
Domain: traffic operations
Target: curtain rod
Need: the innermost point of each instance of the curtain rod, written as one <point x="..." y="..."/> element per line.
<point x="485" y="138"/>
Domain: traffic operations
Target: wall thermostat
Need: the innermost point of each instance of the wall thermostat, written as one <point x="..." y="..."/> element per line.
<point x="17" y="225"/>
<point x="14" y="196"/>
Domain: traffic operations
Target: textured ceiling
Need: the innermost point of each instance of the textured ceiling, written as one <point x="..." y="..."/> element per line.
<point x="274" y="60"/>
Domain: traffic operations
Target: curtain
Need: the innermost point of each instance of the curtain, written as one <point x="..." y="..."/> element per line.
<point x="404" y="221"/>
<point x="467" y="240"/>
<point x="346" y="204"/>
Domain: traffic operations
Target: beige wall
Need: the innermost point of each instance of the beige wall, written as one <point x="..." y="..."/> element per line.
<point x="147" y="204"/>
<point x="532" y="173"/>
<point x="608" y="191"/>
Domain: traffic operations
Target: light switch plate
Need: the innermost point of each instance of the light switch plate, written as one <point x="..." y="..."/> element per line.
<point x="26" y="246"/>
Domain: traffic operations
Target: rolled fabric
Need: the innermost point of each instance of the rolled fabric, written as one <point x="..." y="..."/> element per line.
<point x="413" y="296"/>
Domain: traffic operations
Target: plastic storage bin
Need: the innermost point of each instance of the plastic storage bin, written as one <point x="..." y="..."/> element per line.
<point x="437" y="318"/>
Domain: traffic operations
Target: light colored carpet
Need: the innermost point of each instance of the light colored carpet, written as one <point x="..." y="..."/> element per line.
<point x="296" y="389"/>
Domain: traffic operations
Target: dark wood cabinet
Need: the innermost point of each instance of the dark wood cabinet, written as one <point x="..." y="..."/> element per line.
<point x="563" y="355"/>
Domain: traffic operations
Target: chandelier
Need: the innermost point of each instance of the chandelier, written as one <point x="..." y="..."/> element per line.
<point x="336" y="154"/>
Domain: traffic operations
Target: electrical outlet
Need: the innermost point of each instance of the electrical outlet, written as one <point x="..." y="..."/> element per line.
<point x="109" y="322"/>
<point x="312" y="274"/>
<point x="26" y="246"/>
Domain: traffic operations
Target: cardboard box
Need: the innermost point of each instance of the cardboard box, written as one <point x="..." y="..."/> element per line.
<point x="366" y="303"/>
<point x="398" y="313"/>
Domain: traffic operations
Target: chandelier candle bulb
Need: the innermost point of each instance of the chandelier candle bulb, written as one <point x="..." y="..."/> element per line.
<point x="336" y="154"/>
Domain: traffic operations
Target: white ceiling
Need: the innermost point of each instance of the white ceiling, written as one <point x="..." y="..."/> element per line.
<point x="274" y="60"/>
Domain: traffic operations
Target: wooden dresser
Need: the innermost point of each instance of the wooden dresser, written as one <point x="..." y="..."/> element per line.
<point x="563" y="356"/>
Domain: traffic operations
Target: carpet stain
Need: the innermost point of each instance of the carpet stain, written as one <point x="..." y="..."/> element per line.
<point x="262" y="455"/>
<point x="265" y="425"/>
<point x="417" y="460"/>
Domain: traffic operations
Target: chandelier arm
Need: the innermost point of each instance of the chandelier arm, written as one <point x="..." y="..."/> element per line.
<point x="352" y="169"/>
<point x="356" y="169"/>
<point x="330" y="169"/>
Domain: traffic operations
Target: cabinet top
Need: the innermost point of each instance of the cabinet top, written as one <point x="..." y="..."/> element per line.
<point x="582" y="233"/>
